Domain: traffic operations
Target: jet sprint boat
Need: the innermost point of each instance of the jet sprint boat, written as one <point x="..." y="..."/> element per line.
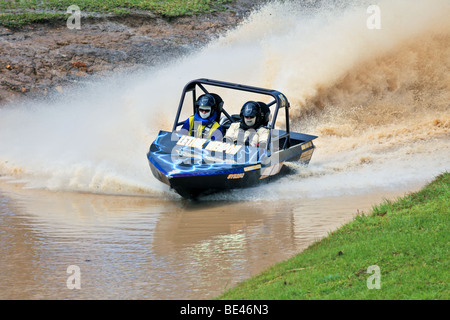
<point x="194" y="166"/>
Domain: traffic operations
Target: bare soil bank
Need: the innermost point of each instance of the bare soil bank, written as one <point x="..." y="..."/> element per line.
<point x="43" y="59"/>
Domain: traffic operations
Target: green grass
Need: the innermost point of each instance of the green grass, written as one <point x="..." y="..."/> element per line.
<point x="407" y="239"/>
<point x="16" y="13"/>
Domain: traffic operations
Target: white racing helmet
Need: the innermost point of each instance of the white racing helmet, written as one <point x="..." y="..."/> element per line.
<point x="204" y="105"/>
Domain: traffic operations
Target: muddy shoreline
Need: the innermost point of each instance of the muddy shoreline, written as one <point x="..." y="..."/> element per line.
<point x="40" y="60"/>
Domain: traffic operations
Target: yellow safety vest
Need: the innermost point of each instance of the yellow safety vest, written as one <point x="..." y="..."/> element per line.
<point x="200" y="128"/>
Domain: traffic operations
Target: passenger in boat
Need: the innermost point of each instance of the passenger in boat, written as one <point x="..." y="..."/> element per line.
<point x="204" y="123"/>
<point x="251" y="129"/>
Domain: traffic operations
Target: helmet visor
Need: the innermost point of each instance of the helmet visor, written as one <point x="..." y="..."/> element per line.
<point x="250" y="121"/>
<point x="204" y="111"/>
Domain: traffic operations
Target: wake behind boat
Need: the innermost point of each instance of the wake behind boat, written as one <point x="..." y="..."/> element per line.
<point x="193" y="165"/>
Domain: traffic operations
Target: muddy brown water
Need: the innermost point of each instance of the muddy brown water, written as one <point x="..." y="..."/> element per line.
<point x="377" y="99"/>
<point x="148" y="248"/>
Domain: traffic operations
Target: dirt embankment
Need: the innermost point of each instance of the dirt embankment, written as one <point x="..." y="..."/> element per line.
<point x="43" y="59"/>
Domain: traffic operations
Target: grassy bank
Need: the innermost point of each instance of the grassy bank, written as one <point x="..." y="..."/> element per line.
<point x="16" y="13"/>
<point x="406" y="239"/>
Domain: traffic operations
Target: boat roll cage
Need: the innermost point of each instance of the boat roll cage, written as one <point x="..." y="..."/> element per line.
<point x="279" y="100"/>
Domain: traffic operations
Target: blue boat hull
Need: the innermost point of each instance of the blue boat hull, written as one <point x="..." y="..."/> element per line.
<point x="194" y="167"/>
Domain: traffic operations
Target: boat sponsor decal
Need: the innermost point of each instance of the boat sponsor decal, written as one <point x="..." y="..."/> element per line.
<point x="217" y="146"/>
<point x="306" y="156"/>
<point x="223" y="147"/>
<point x="255" y="167"/>
<point x="272" y="170"/>
<point x="189" y="141"/>
<point x="306" y="145"/>
<point x="198" y="158"/>
<point x="282" y="100"/>
<point x="235" y="175"/>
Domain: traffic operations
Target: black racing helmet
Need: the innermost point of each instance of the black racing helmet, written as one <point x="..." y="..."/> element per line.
<point x="205" y="100"/>
<point x="251" y="109"/>
<point x="265" y="111"/>
<point x="209" y="100"/>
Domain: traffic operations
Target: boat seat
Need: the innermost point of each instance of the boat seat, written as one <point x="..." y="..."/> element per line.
<point x="226" y="123"/>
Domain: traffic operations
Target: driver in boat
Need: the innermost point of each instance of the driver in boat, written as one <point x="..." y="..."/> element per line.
<point x="204" y="124"/>
<point x="250" y="130"/>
